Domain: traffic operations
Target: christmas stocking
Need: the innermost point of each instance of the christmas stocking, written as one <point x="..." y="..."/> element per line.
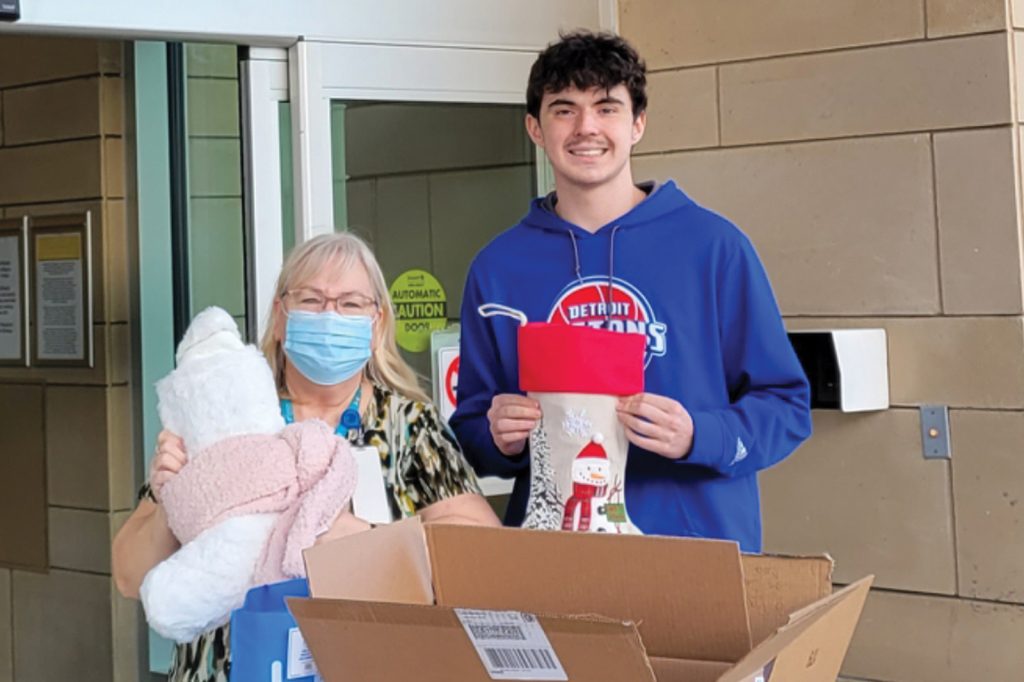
<point x="578" y="452"/>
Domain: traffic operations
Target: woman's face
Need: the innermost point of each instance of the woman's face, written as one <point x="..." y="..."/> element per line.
<point x="349" y="292"/>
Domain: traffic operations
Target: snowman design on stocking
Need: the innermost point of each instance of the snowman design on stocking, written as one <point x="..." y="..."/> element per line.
<point x="578" y="451"/>
<point x="591" y="477"/>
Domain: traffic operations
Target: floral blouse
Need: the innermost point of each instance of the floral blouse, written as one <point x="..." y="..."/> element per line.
<point x="422" y="464"/>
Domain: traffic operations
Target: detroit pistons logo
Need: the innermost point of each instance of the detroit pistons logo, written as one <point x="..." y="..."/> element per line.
<point x="621" y="308"/>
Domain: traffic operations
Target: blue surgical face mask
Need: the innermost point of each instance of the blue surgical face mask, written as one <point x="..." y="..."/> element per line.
<point x="327" y="348"/>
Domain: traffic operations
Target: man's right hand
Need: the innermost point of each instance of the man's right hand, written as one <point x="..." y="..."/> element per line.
<point x="512" y="417"/>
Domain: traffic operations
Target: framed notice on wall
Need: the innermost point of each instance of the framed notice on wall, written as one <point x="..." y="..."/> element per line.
<point x="61" y="262"/>
<point x="14" y="299"/>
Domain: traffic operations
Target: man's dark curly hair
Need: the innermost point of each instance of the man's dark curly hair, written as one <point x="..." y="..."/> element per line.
<point x="587" y="60"/>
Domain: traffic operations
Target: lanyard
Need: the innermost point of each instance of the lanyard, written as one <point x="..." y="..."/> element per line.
<point x="350" y="419"/>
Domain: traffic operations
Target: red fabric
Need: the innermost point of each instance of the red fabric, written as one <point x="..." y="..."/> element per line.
<point x="561" y="358"/>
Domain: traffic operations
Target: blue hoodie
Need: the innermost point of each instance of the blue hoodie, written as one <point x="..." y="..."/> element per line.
<point x="690" y="281"/>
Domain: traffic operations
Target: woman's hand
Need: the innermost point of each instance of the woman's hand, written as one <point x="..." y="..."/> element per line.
<point x="168" y="460"/>
<point x="347" y="523"/>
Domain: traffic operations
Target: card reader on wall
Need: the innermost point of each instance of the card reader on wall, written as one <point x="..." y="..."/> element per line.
<point x="9" y="10"/>
<point x="848" y="369"/>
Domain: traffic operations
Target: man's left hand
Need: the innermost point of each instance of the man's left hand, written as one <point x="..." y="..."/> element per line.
<point x="656" y="423"/>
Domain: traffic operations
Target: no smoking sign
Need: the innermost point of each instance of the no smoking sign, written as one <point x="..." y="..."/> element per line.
<point x="449" y="374"/>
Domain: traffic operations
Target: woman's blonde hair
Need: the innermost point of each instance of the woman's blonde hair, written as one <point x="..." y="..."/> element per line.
<point x="340" y="251"/>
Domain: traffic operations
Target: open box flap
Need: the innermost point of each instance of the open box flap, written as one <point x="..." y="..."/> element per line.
<point x="812" y="647"/>
<point x="778" y="586"/>
<point x="387" y="564"/>
<point x="355" y="641"/>
<point x="686" y="595"/>
<point x="676" y="670"/>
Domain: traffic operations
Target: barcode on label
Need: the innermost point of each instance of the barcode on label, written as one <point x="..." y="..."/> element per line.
<point x="511" y="645"/>
<point x="521" y="659"/>
<point x="497" y="632"/>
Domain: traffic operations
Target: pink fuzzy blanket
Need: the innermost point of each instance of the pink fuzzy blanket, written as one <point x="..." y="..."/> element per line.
<point x="305" y="473"/>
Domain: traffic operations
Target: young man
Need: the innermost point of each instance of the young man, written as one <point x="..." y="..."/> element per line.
<point x="726" y="396"/>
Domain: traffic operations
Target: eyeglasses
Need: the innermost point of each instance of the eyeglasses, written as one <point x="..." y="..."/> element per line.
<point x="315" y="301"/>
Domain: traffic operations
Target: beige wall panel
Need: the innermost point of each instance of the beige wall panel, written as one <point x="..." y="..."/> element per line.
<point x="112" y="354"/>
<point x="909" y="638"/>
<point x="62" y="627"/>
<point x="79" y="540"/>
<point x="922" y="86"/>
<point x="961" y="362"/>
<point x="953" y="17"/>
<point x="112" y="105"/>
<point x="22" y="477"/>
<point x="119" y="356"/>
<point x="980" y="243"/>
<point x="861" y="491"/>
<point x="988" y="483"/>
<point x="682" y="111"/>
<point x="973" y="362"/>
<point x="403" y="138"/>
<point x="50" y="172"/>
<point x="112" y="56"/>
<point x="122" y="456"/>
<point x="113" y="167"/>
<point x="86" y="376"/>
<point x="32" y="59"/>
<point x="1017" y="13"/>
<point x="1018" y="51"/>
<point x="116" y="278"/>
<point x="6" y="634"/>
<point x="76" y="447"/>
<point x="819" y="213"/>
<point x="55" y="111"/>
<point x="402" y="209"/>
<point x="670" y="34"/>
<point x="466" y="211"/>
<point x="126" y="625"/>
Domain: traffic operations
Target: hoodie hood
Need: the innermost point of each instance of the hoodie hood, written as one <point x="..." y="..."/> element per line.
<point x="661" y="200"/>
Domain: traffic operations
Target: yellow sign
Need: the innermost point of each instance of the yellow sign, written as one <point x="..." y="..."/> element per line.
<point x="66" y="246"/>
<point x="420" y="307"/>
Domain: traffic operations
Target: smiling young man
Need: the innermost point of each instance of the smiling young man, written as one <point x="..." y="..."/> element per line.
<point x="726" y="396"/>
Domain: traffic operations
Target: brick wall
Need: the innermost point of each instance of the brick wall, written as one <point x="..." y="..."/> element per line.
<point x="871" y="151"/>
<point x="62" y="150"/>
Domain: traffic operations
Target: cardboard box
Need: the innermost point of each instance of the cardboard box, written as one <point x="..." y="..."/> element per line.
<point x="618" y="608"/>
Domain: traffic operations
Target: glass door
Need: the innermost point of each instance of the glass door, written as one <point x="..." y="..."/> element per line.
<point x="420" y="150"/>
<point x="427" y="185"/>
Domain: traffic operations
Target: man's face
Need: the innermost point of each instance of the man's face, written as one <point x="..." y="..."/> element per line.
<point x="588" y="135"/>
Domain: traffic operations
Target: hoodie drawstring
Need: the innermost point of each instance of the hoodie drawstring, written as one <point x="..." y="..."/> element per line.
<point x="611" y="275"/>
<point x="611" y="269"/>
<point x="576" y="253"/>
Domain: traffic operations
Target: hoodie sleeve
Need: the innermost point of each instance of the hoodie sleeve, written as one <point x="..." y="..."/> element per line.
<point x="482" y="375"/>
<point x="769" y="411"/>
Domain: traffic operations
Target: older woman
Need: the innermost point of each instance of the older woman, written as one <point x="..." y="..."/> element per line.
<point x="330" y="342"/>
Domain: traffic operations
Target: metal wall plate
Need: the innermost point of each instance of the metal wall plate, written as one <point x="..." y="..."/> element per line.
<point x="9" y="10"/>
<point x="935" y="432"/>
